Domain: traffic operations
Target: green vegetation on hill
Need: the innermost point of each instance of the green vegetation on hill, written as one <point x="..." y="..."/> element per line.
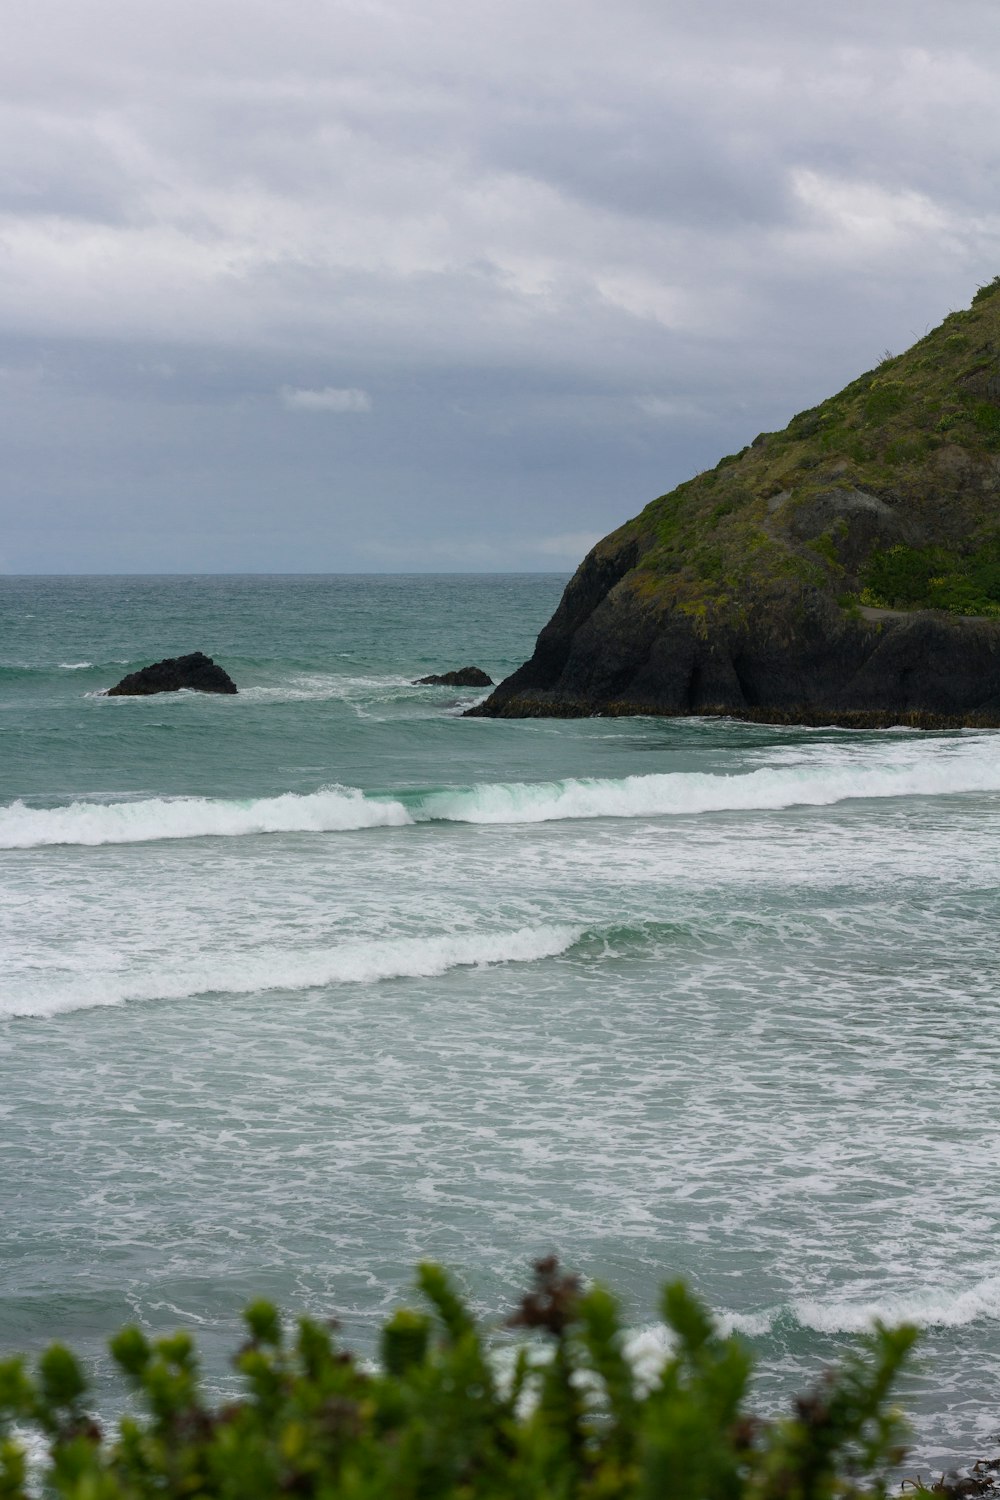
<point x="932" y="578"/>
<point x="435" y="1422"/>
<point x="886" y="493"/>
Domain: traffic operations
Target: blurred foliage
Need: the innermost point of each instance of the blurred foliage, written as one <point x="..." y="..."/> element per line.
<point x="435" y="1422"/>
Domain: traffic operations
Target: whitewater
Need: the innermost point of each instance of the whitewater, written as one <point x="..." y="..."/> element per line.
<point x="302" y="986"/>
<point x="856" y="772"/>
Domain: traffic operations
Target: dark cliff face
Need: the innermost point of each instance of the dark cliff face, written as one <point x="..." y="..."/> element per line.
<point x="846" y="570"/>
<point x="922" y="670"/>
<point x="585" y="593"/>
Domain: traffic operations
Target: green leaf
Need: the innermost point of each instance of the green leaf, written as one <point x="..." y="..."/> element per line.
<point x="264" y="1323"/>
<point x="131" y="1351"/>
<point x="436" y="1287"/>
<point x="405" y="1341"/>
<point x="62" y="1379"/>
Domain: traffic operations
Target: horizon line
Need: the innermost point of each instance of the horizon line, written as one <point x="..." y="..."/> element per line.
<point x="338" y="573"/>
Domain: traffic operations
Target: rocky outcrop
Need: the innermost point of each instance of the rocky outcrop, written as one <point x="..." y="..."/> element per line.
<point x="469" y="677"/>
<point x="196" y="671"/>
<point x="923" y="670"/>
<point x="843" y="571"/>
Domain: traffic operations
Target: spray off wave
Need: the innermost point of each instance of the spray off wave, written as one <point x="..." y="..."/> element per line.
<point x="280" y="969"/>
<point x="932" y="768"/>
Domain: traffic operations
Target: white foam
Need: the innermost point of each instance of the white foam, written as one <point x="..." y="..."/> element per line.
<point x="326" y="686"/>
<point x="943" y="767"/>
<point x="647" y="1351"/>
<point x="282" y="969"/>
<point x="926" y="1309"/>
<point x="889" y="769"/>
<point x="648" y="1348"/>
<point x="333" y="809"/>
<point x="75" y="666"/>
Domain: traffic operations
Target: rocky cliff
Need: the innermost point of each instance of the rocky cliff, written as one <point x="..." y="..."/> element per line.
<point x="843" y="571"/>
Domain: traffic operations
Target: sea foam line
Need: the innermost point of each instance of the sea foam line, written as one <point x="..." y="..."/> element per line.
<point x="280" y="969"/>
<point x="935" y="769"/>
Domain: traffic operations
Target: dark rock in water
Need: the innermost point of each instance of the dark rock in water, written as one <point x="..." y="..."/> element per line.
<point x="464" y="677"/>
<point x="196" y="671"/>
<point x="844" y="571"/>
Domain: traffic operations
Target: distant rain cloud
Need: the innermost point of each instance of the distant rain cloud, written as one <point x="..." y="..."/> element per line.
<point x="669" y="408"/>
<point x="587" y="249"/>
<point x="329" y="398"/>
<point x="567" y="548"/>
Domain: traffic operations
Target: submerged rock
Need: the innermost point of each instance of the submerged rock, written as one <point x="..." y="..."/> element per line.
<point x="843" y="571"/>
<point x="196" y="671"/>
<point x="464" y="677"/>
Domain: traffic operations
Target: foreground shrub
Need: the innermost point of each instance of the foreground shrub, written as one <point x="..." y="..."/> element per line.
<point x="436" y="1423"/>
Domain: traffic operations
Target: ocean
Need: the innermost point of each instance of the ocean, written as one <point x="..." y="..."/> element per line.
<point x="302" y="986"/>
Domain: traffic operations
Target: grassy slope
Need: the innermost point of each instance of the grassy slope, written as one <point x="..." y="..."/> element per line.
<point x="912" y="448"/>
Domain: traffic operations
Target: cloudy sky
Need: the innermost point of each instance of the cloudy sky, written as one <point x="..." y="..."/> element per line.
<point x="380" y="285"/>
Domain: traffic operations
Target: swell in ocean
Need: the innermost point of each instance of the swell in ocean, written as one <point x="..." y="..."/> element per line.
<point x="941" y="767"/>
<point x="302" y="986"/>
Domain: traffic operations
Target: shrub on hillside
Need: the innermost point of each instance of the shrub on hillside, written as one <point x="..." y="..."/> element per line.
<point x="929" y="578"/>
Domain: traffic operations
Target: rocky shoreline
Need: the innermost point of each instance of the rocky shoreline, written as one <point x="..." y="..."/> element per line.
<point x="806" y="718"/>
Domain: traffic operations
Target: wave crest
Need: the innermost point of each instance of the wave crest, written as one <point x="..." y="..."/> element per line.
<point x="935" y="768"/>
<point x="331" y="810"/>
<point x="649" y="1347"/>
<point x="281" y="969"/>
<point x="926" y="1309"/>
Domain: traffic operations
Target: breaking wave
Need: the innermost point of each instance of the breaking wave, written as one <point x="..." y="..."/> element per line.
<point x="334" y="809"/>
<point x="688" y="792"/>
<point x="649" y="1347"/>
<point x="926" y="1309"/>
<point x="280" y="969"/>
<point x="935" y="769"/>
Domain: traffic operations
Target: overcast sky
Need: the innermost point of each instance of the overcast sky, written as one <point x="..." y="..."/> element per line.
<point x="393" y="285"/>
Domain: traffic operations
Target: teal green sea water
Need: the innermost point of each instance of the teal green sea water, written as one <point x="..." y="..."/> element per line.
<point x="301" y="986"/>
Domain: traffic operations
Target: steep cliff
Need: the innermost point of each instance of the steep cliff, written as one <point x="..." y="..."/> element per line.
<point x="843" y="571"/>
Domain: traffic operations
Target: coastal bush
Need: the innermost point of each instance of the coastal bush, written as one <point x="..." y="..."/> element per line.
<point x="900" y="578"/>
<point x="989" y="290"/>
<point x="825" y="545"/>
<point x="986" y="416"/>
<point x="930" y="578"/>
<point x="885" y="398"/>
<point x="906" y="449"/>
<point x="436" y="1422"/>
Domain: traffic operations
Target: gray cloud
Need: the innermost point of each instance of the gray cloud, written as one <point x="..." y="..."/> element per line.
<point x="329" y="398"/>
<point x="558" y="254"/>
